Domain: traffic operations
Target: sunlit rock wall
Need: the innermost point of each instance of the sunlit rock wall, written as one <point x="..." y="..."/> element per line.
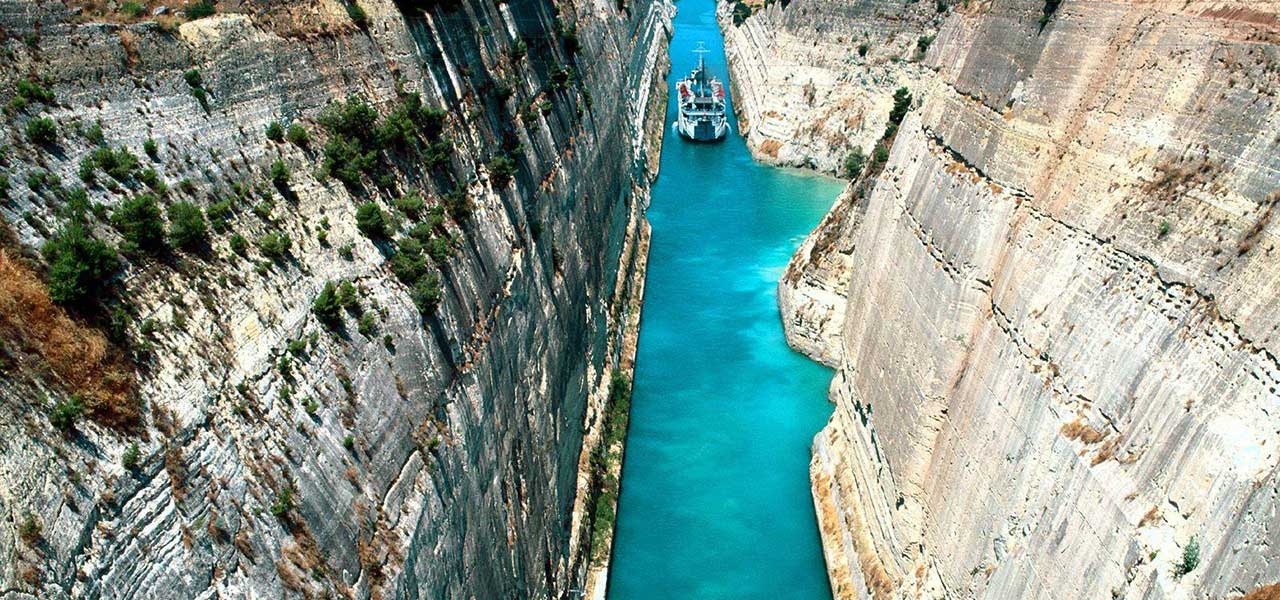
<point x="434" y="456"/>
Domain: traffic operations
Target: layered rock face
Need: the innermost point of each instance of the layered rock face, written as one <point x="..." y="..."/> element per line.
<point x="1056" y="351"/>
<point x="404" y="452"/>
<point x="813" y="80"/>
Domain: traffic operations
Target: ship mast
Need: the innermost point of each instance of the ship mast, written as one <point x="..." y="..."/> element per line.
<point x="701" y="51"/>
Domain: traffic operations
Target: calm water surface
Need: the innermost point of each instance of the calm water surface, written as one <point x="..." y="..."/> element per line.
<point x="715" y="487"/>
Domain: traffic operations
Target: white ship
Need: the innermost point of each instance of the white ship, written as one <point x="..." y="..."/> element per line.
<point x="702" y="110"/>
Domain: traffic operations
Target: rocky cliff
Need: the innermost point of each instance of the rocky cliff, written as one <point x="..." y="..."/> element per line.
<point x="1054" y="309"/>
<point x="469" y="176"/>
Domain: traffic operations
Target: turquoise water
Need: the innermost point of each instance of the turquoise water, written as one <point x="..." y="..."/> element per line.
<point x="715" y="488"/>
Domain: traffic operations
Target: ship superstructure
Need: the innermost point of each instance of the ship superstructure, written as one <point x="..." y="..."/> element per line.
<point x="702" y="115"/>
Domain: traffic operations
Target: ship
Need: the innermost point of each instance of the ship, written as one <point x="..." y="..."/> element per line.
<point x="702" y="115"/>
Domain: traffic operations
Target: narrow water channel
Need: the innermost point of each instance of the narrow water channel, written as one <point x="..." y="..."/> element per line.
<point x="715" y="488"/>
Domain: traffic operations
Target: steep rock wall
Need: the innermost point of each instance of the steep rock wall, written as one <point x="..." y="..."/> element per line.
<point x="1056" y="366"/>
<point x="815" y="79"/>
<point x="434" y="456"/>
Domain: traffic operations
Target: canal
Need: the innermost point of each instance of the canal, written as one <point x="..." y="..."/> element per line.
<point x="715" y="489"/>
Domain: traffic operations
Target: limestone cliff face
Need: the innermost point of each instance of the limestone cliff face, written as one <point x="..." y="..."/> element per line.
<point x="421" y="454"/>
<point x="815" y="79"/>
<point x="1056" y="359"/>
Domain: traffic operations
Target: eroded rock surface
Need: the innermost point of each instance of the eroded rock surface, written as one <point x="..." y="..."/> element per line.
<point x="1056" y="359"/>
<point x="421" y="454"/>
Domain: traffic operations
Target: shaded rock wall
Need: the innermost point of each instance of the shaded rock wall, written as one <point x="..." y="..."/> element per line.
<point x="436" y="456"/>
<point x="1056" y="365"/>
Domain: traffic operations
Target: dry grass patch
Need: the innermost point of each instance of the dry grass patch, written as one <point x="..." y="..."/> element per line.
<point x="78" y="357"/>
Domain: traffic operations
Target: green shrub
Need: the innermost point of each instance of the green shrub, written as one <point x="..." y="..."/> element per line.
<point x="740" y="12"/>
<point x="139" y="221"/>
<point x="439" y="249"/>
<point x="347" y="297"/>
<point x="357" y="15"/>
<point x="193" y="78"/>
<point x="345" y="161"/>
<point x="80" y="265"/>
<point x="1190" y="558"/>
<point x="346" y="251"/>
<point x="881" y="154"/>
<point x="901" y="103"/>
<point x="152" y="150"/>
<point x="367" y="324"/>
<point x="371" y="220"/>
<point x="354" y="119"/>
<point x="1163" y="230"/>
<point x="280" y="174"/>
<point x="284" y="502"/>
<point x="95" y="135"/>
<point x="187" y="229"/>
<point x="349" y="442"/>
<point x="457" y="203"/>
<point x="275" y="245"/>
<point x="502" y="169"/>
<point x="275" y="132"/>
<point x="4" y="185"/>
<point x="408" y="264"/>
<point x="518" y="49"/>
<point x="119" y="163"/>
<point x="129" y="460"/>
<point x="200" y="10"/>
<point x="426" y="293"/>
<point x="29" y="531"/>
<point x="854" y="162"/>
<point x="152" y="180"/>
<point x="863" y="48"/>
<point x="297" y="135"/>
<point x="411" y="204"/>
<point x="65" y="413"/>
<point x="33" y="90"/>
<point x="42" y="131"/>
<point x="133" y="10"/>
<point x="239" y="245"/>
<point x="326" y="306"/>
<point x="219" y="214"/>
<point x="39" y="179"/>
<point x="922" y="44"/>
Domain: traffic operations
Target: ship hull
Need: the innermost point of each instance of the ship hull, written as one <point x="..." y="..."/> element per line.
<point x="702" y="130"/>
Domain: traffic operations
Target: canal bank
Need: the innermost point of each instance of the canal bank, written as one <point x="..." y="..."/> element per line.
<point x="715" y="499"/>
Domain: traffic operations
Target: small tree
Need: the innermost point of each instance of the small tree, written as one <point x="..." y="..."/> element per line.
<point x="42" y="131"/>
<point x="502" y="169"/>
<point x="854" y="162"/>
<point x="66" y="413"/>
<point x="280" y="174"/>
<point x="275" y="245"/>
<point x="129" y="460"/>
<point x="139" y="221"/>
<point x="187" y="229"/>
<point x="326" y="306"/>
<point x="347" y="297"/>
<point x="275" y="132"/>
<point x="80" y="265"/>
<point x="371" y="220"/>
<point x="1190" y="558"/>
<point x="297" y="135"/>
<point x="426" y="293"/>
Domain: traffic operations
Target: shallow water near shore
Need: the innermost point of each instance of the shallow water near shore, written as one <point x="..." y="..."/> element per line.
<point x="715" y="486"/>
